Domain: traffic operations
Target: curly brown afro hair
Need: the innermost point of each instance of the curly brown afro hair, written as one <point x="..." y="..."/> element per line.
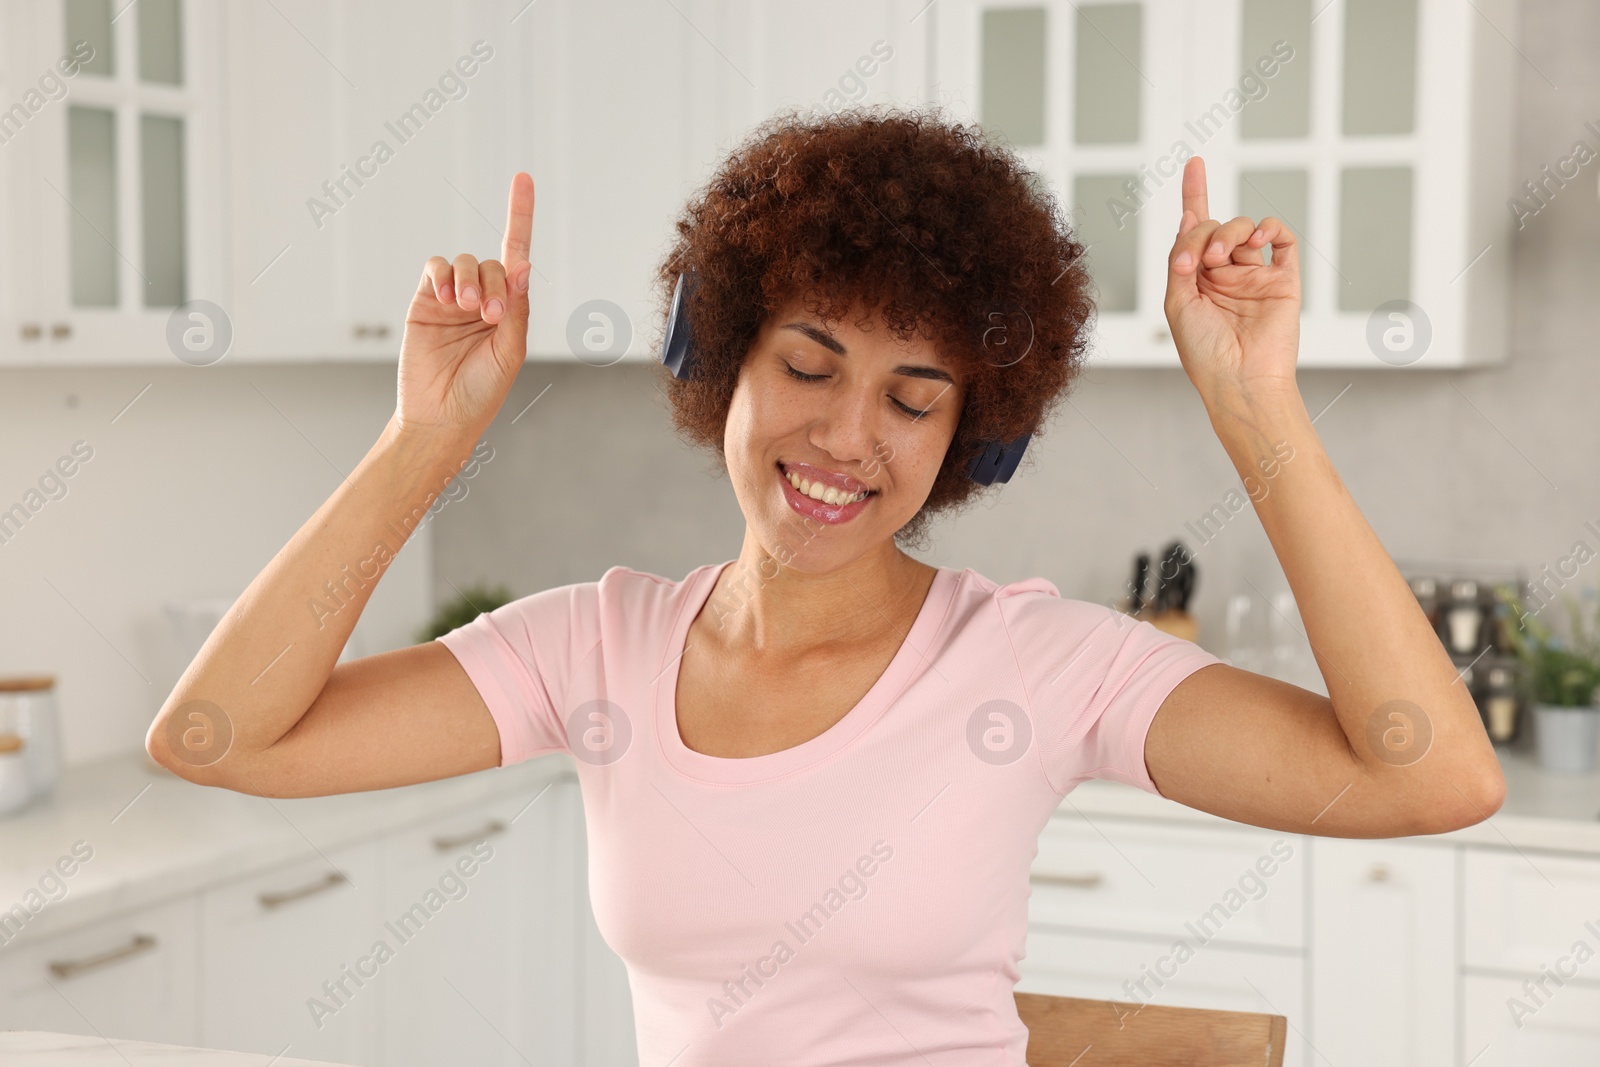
<point x="933" y="224"/>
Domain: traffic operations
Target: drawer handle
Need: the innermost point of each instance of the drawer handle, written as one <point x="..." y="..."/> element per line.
<point x="282" y="897"/>
<point x="73" y="968"/>
<point x="1076" y="881"/>
<point x="1379" y="873"/>
<point x="61" y="330"/>
<point x="445" y="844"/>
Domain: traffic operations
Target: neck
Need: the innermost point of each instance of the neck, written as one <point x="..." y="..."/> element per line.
<point x="761" y="605"/>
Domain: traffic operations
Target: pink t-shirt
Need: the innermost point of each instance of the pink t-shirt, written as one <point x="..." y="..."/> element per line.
<point x="861" y="898"/>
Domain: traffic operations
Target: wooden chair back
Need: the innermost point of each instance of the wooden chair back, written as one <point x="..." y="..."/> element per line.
<point x="1072" y="1032"/>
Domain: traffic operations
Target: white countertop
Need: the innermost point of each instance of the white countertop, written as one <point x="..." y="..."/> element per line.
<point x="27" y="1048"/>
<point x="156" y="836"/>
<point x="1543" y="809"/>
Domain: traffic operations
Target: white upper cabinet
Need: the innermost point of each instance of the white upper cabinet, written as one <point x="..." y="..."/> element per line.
<point x="1378" y="130"/>
<point x="824" y="56"/>
<point x="643" y="122"/>
<point x="114" y="197"/>
<point x="281" y="148"/>
<point x="616" y="166"/>
<point x="355" y="155"/>
<point x="295" y="163"/>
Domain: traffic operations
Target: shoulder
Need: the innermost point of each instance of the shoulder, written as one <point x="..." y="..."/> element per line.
<point x="1028" y="606"/>
<point x="622" y="600"/>
<point x="635" y="597"/>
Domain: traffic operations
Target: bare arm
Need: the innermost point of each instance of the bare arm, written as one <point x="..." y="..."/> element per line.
<point x="1397" y="746"/>
<point x="262" y="708"/>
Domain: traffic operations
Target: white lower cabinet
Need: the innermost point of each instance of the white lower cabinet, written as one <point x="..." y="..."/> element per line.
<point x="290" y="959"/>
<point x="131" y="976"/>
<point x="1504" y="1026"/>
<point x="1144" y="971"/>
<point x="486" y="901"/>
<point x="1531" y="947"/>
<point x="1527" y="910"/>
<point x="1383" y="959"/>
<point x="1236" y="885"/>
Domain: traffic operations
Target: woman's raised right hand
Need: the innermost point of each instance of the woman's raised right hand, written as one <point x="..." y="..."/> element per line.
<point x="466" y="332"/>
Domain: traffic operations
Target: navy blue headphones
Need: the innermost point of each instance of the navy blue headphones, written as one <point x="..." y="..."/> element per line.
<point x="996" y="463"/>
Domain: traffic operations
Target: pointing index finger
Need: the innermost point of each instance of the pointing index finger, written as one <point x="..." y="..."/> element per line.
<point x="1194" y="188"/>
<point x="519" y="222"/>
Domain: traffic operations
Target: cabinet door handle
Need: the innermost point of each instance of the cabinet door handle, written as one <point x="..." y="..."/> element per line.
<point x="380" y="330"/>
<point x="361" y="330"/>
<point x="285" y="896"/>
<point x="1075" y="881"/>
<point x="73" y="968"/>
<point x="445" y="844"/>
<point x="31" y="331"/>
<point x="61" y="330"/>
<point x="1379" y="873"/>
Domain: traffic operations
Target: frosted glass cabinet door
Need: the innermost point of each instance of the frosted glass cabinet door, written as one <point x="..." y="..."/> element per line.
<point x="1380" y="132"/>
<point x="123" y="175"/>
<point x="1091" y="96"/>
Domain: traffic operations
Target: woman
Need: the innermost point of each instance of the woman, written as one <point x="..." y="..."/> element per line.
<point x="814" y="776"/>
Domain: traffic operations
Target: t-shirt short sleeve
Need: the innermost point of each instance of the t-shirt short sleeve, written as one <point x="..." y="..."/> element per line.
<point x="1095" y="678"/>
<point x="521" y="656"/>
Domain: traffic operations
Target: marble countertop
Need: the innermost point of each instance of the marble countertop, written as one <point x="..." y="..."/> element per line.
<point x="1543" y="809"/>
<point x="155" y="836"/>
<point x="27" y="1048"/>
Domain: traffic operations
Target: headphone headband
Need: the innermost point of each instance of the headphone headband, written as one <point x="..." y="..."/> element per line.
<point x="996" y="463"/>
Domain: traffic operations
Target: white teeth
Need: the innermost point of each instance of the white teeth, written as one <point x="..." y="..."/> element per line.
<point x="825" y="493"/>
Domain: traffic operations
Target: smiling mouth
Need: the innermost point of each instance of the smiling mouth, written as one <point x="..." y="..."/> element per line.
<point x="822" y="493"/>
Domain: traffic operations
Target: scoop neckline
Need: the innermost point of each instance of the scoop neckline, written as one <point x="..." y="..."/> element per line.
<point x="738" y="770"/>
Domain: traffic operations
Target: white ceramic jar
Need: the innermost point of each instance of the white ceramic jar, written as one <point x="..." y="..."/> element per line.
<point x="28" y="710"/>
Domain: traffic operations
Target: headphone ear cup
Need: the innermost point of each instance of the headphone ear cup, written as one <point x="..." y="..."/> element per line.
<point x="997" y="462"/>
<point x="678" y="341"/>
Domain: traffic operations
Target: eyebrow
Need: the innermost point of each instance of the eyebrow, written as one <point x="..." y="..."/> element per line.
<point x="831" y="343"/>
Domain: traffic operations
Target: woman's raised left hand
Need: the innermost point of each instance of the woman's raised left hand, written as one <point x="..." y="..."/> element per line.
<point x="1235" y="319"/>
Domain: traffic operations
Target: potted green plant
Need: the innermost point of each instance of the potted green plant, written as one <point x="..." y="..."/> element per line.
<point x="1563" y="674"/>
<point x="471" y="602"/>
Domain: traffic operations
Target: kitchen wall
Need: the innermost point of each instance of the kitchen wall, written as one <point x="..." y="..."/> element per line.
<point x="198" y="479"/>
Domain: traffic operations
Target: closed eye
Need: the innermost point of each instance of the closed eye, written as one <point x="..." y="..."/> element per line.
<point x="912" y="412"/>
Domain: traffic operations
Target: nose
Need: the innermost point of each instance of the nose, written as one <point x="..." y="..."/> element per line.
<point x="847" y="427"/>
